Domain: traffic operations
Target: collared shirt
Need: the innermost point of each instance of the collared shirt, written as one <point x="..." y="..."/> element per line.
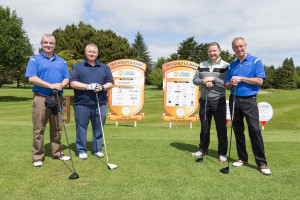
<point x="218" y="71"/>
<point x="53" y="70"/>
<point x="250" y="67"/>
<point x="85" y="73"/>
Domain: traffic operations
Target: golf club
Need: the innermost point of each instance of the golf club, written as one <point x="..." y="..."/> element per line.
<point x="74" y="175"/>
<point x="201" y="158"/>
<point x="226" y="169"/>
<point x="110" y="166"/>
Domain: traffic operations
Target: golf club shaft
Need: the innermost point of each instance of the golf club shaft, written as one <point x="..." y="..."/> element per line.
<point x="232" y="117"/>
<point x="102" y="127"/>
<point x="63" y="121"/>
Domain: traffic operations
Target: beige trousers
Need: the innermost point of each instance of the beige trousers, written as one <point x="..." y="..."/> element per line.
<point x="40" y="116"/>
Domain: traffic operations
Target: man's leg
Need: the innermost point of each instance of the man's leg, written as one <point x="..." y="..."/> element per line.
<point x="39" y="120"/>
<point x="239" y="128"/>
<point x="82" y="118"/>
<point x="205" y="126"/>
<point x="55" y="132"/>
<point x="252" y="118"/>
<point x="97" y="131"/>
<point x="219" y="112"/>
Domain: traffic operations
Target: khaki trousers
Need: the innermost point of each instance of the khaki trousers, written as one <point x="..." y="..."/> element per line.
<point x="40" y="116"/>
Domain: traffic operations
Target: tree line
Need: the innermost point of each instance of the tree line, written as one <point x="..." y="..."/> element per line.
<point x="15" y="51"/>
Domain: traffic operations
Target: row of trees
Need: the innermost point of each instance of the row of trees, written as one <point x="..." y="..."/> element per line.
<point x="15" y="50"/>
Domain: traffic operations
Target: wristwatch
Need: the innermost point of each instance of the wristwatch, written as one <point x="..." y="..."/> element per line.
<point x="102" y="86"/>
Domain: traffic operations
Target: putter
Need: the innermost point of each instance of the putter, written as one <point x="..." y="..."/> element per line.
<point x="74" y="175"/>
<point x="201" y="158"/>
<point x="226" y="169"/>
<point x="110" y="166"/>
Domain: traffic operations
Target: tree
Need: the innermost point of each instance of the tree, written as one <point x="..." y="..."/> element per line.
<point x="190" y="50"/>
<point x="75" y="38"/>
<point x="15" y="47"/>
<point x="156" y="77"/>
<point x="143" y="55"/>
<point x="270" y="77"/>
<point x="288" y="81"/>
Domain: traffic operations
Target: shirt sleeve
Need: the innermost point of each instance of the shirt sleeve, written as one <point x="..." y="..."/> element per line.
<point x="66" y="71"/>
<point x="198" y="77"/>
<point x="74" y="76"/>
<point x="259" y="69"/>
<point x="228" y="75"/>
<point x="31" y="69"/>
<point x="109" y="76"/>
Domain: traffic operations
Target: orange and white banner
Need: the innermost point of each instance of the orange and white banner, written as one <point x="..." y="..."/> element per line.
<point x="180" y="95"/>
<point x="126" y="98"/>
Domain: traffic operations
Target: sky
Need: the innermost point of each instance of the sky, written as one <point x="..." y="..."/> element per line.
<point x="271" y="27"/>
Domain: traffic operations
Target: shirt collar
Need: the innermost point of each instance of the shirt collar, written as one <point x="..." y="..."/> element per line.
<point x="217" y="61"/>
<point x="97" y="64"/>
<point x="44" y="56"/>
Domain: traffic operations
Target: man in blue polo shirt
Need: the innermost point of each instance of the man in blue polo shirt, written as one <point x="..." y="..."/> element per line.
<point x="46" y="72"/>
<point x="90" y="78"/>
<point x="246" y="73"/>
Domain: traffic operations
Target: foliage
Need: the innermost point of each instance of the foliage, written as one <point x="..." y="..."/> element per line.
<point x="287" y="75"/>
<point x="143" y="55"/>
<point x="156" y="77"/>
<point x="190" y="50"/>
<point x="15" y="47"/>
<point x="68" y="56"/>
<point x="270" y="77"/>
<point x="75" y="38"/>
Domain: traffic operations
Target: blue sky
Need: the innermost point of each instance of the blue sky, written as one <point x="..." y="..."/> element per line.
<point x="271" y="28"/>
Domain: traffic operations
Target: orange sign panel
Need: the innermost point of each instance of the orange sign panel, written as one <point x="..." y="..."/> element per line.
<point x="126" y="98"/>
<point x="180" y="95"/>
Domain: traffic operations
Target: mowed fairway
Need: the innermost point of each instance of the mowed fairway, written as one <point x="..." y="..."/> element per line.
<point x="153" y="160"/>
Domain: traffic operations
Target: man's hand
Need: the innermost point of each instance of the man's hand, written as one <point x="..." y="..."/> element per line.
<point x="93" y="86"/>
<point x="235" y="80"/>
<point x="56" y="86"/>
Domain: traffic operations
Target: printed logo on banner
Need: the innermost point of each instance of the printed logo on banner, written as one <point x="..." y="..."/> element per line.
<point x="180" y="95"/>
<point x="126" y="98"/>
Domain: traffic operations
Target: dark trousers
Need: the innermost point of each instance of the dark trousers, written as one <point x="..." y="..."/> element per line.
<point x="216" y="108"/>
<point x="247" y="107"/>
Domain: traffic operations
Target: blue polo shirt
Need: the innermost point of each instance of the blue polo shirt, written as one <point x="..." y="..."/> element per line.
<point x="250" y="67"/>
<point x="85" y="73"/>
<point x="53" y="70"/>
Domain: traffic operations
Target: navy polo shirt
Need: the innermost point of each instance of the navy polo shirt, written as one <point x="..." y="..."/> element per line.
<point x="85" y="73"/>
<point x="250" y="67"/>
<point x="53" y="70"/>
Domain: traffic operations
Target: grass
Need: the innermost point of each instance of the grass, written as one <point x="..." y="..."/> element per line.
<point x="153" y="160"/>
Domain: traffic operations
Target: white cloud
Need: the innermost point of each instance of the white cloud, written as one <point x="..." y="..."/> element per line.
<point x="270" y="27"/>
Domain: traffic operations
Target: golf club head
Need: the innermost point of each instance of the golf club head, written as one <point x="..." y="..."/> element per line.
<point x="74" y="176"/>
<point x="112" y="166"/>
<point x="199" y="159"/>
<point x="225" y="170"/>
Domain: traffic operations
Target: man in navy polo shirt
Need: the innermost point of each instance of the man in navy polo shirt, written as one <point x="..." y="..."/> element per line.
<point x="246" y="73"/>
<point x="46" y="72"/>
<point x="90" y="78"/>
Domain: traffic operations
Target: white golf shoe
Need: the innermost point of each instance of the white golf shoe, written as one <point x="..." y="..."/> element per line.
<point x="265" y="170"/>
<point x="65" y="158"/>
<point x="239" y="163"/>
<point x="222" y="158"/>
<point x="83" y="156"/>
<point x="197" y="154"/>
<point x="99" y="154"/>
<point x="38" y="163"/>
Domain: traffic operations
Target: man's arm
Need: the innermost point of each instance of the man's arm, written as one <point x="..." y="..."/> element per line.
<point x="251" y="81"/>
<point x="54" y="86"/>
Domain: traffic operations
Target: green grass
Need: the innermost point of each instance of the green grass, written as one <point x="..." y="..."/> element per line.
<point x="153" y="160"/>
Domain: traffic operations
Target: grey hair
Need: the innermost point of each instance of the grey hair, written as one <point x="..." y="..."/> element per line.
<point x="213" y="44"/>
<point x="238" y="38"/>
<point x="48" y="36"/>
<point x="91" y="45"/>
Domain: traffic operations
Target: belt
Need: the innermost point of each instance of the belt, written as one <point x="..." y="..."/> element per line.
<point x="38" y="94"/>
<point x="243" y="97"/>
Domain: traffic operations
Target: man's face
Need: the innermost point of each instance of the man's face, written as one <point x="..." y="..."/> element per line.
<point x="48" y="45"/>
<point x="213" y="52"/>
<point x="239" y="48"/>
<point x="91" y="54"/>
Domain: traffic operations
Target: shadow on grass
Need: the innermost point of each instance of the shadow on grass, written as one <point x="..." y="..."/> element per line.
<point x="13" y="98"/>
<point x="211" y="152"/>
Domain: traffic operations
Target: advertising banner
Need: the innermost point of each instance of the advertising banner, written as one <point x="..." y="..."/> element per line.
<point x="126" y="98"/>
<point x="265" y="113"/>
<point x="180" y="95"/>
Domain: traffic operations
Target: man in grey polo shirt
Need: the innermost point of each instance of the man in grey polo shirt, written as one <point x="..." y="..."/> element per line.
<point x="211" y="76"/>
